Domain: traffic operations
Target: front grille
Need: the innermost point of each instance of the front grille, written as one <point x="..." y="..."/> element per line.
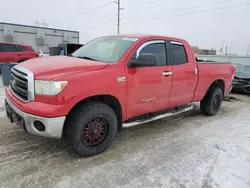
<point x="244" y="81"/>
<point x="19" y="84"/>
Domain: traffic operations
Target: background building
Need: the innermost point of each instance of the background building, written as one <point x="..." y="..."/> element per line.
<point x="40" y="38"/>
<point x="197" y="50"/>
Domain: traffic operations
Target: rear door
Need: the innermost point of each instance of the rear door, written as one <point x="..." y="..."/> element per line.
<point x="185" y="74"/>
<point x="149" y="87"/>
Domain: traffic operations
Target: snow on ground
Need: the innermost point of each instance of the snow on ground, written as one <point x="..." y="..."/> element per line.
<point x="189" y="150"/>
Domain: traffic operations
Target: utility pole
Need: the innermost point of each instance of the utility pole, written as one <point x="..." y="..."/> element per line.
<point x="222" y="47"/>
<point x="231" y="44"/>
<point x="248" y="50"/>
<point x="118" y="2"/>
<point x="226" y="50"/>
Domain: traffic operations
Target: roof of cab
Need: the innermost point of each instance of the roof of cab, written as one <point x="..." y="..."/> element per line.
<point x="148" y="35"/>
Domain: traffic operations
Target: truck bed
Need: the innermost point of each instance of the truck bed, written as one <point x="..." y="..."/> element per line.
<point x="212" y="62"/>
<point x="200" y="61"/>
<point x="208" y="74"/>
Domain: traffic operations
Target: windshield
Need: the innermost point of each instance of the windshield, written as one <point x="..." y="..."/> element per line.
<point x="242" y="68"/>
<point x="105" y="49"/>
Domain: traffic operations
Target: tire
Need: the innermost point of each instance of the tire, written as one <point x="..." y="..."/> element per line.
<point x="211" y="103"/>
<point x="89" y="123"/>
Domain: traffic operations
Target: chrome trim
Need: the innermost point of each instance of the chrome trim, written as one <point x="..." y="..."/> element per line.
<point x="14" y="75"/>
<point x="162" y="116"/>
<point x="121" y="79"/>
<point x="195" y="71"/>
<point x="179" y="43"/>
<point x="146" y="44"/>
<point x="30" y="79"/>
<point x="148" y="100"/>
<point x="17" y="73"/>
<point x="167" y="73"/>
<point x="17" y="95"/>
<point x="230" y="89"/>
<point x="53" y="126"/>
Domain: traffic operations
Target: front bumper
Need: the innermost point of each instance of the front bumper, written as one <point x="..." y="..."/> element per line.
<point x="241" y="86"/>
<point x="53" y="126"/>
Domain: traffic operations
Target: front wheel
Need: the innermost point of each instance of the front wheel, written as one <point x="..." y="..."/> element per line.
<point x="211" y="103"/>
<point x="91" y="129"/>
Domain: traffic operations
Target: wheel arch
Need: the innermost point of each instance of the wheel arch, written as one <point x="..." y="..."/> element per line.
<point x="109" y="100"/>
<point x="219" y="83"/>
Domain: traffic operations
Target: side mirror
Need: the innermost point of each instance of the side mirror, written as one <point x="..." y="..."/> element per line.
<point x="144" y="60"/>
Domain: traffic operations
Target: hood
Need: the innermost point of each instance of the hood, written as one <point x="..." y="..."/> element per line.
<point x="51" y="67"/>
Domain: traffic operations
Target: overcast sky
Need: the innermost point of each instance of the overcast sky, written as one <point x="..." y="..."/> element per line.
<point x="204" y="23"/>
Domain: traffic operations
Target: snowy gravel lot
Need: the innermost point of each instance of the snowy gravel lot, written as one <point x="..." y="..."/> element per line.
<point x="189" y="150"/>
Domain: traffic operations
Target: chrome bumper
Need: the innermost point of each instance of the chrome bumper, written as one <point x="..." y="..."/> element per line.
<point x="53" y="126"/>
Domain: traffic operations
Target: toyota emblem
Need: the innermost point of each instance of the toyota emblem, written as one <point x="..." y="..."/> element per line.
<point x="14" y="83"/>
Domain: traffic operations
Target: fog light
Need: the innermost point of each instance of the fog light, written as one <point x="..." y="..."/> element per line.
<point x="39" y="126"/>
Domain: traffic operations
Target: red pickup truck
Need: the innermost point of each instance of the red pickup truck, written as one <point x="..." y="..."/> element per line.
<point x="12" y="52"/>
<point x="110" y="82"/>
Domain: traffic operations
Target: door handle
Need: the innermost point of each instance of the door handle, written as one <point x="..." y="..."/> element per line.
<point x="167" y="73"/>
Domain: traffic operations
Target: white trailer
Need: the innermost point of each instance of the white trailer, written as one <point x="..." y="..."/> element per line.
<point x="40" y="38"/>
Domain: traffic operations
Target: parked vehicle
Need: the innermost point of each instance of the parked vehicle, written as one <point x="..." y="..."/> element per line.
<point x="241" y="81"/>
<point x="40" y="38"/>
<point x="12" y="52"/>
<point x="64" y="49"/>
<point x="70" y="48"/>
<point x="111" y="82"/>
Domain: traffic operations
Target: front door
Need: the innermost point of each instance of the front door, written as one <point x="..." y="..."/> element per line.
<point x="185" y="75"/>
<point x="149" y="88"/>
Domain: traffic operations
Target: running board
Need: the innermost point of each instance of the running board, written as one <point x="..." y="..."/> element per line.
<point x="162" y="116"/>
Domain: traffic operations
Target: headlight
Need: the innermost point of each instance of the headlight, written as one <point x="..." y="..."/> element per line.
<point x="43" y="87"/>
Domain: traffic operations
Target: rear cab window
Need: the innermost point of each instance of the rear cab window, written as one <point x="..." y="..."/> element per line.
<point x="179" y="53"/>
<point x="21" y="48"/>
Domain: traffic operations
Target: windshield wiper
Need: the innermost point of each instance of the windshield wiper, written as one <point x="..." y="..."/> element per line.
<point x="86" y="57"/>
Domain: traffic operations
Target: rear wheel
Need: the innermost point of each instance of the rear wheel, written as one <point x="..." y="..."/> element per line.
<point x="211" y="103"/>
<point x="91" y="128"/>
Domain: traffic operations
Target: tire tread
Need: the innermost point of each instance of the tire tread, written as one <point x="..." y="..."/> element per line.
<point x="206" y="102"/>
<point x="74" y="121"/>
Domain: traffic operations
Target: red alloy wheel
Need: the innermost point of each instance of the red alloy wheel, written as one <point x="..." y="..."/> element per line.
<point x="95" y="131"/>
